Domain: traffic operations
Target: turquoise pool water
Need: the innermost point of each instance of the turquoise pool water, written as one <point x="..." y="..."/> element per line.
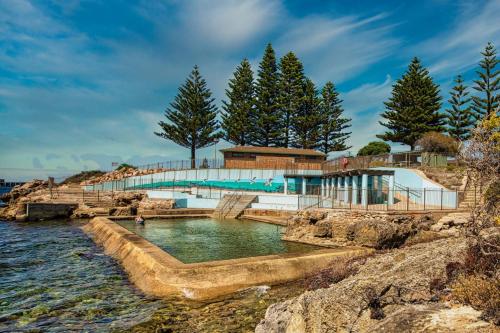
<point x="204" y="239"/>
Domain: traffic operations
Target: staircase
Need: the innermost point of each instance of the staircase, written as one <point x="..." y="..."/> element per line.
<point x="232" y="205"/>
<point x="472" y="197"/>
<point x="78" y="195"/>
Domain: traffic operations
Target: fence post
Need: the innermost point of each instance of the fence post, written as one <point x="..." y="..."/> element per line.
<point x="424" y="198"/>
<point x="407" y="199"/>
<point x="456" y="199"/>
<point x="97" y="195"/>
<point x="441" y="198"/>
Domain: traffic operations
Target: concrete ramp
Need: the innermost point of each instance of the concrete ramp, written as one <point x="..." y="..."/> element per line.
<point x="231" y="206"/>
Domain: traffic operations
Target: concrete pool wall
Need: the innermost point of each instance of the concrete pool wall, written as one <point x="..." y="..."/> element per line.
<point x="157" y="273"/>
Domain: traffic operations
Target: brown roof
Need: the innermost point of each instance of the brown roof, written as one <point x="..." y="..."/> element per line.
<point x="273" y="150"/>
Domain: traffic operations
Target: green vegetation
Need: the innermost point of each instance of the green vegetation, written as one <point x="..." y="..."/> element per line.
<point x="375" y="148"/>
<point x="238" y="110"/>
<point x="487" y="85"/>
<point x="459" y="117"/>
<point x="266" y="120"/>
<point x="413" y="109"/>
<point x="291" y="86"/>
<point x="333" y="124"/>
<point x="434" y="142"/>
<point x="192" y="116"/>
<point x="283" y="108"/>
<point x="125" y="166"/>
<point x="83" y="176"/>
<point x="306" y="121"/>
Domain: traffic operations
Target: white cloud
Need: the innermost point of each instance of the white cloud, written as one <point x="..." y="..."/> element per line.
<point x="338" y="48"/>
<point x="458" y="49"/>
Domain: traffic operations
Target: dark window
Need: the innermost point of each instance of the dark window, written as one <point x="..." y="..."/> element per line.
<point x="238" y="154"/>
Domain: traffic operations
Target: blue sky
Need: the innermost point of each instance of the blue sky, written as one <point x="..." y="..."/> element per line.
<point x="84" y="83"/>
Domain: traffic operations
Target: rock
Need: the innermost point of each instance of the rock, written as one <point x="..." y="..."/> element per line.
<point x="149" y="204"/>
<point x="123" y="199"/>
<point x="455" y="219"/>
<point x="323" y="229"/>
<point x="385" y="287"/>
<point x="379" y="235"/>
<point x="122" y="211"/>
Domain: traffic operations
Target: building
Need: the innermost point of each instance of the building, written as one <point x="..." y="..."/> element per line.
<point x="249" y="157"/>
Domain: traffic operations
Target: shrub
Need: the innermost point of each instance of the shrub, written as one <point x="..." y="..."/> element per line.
<point x="125" y="166"/>
<point x="375" y="148"/>
<point x="336" y="272"/>
<point x="481" y="292"/>
<point x="83" y="176"/>
<point x="434" y="142"/>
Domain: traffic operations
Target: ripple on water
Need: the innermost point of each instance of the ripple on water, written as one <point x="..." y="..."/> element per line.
<point x="53" y="279"/>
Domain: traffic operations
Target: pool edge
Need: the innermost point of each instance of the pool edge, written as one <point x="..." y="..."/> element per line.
<point x="157" y="273"/>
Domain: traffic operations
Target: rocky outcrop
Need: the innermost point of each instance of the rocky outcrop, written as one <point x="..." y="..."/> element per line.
<point x="380" y="230"/>
<point x="120" y="174"/>
<point x="34" y="191"/>
<point x="152" y="207"/>
<point x="389" y="293"/>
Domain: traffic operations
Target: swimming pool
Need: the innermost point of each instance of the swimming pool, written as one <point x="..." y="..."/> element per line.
<point x="197" y="240"/>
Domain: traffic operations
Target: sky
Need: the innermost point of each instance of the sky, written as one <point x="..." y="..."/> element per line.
<point x="84" y="83"/>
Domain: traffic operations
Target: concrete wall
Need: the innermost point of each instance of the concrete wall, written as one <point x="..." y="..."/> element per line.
<point x="47" y="211"/>
<point x="157" y="273"/>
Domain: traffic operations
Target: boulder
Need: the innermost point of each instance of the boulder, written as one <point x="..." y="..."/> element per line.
<point x="379" y="235"/>
<point x="375" y="299"/>
<point x="150" y="204"/>
<point x="122" y="211"/>
<point x="323" y="229"/>
<point x="123" y="199"/>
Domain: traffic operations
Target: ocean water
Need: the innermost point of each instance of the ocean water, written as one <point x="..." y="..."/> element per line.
<point x="53" y="278"/>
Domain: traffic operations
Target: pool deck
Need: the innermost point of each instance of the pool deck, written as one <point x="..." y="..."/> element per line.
<point x="158" y="273"/>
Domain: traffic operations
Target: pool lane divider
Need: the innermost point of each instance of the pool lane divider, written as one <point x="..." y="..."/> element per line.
<point x="157" y="273"/>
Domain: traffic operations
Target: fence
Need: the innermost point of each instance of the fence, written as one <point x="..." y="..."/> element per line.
<point x="403" y="159"/>
<point x="409" y="199"/>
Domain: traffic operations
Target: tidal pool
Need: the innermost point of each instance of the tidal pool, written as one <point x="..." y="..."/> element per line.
<point x="205" y="239"/>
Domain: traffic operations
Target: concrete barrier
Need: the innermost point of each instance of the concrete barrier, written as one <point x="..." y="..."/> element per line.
<point x="157" y="273"/>
<point x="37" y="211"/>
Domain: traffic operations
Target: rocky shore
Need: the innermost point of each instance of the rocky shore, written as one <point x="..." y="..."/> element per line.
<point x="390" y="292"/>
<point x="379" y="230"/>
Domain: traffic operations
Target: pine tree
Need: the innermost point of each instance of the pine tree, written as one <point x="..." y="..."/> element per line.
<point x="239" y="109"/>
<point x="307" y="118"/>
<point x="459" y="117"/>
<point x="487" y="84"/>
<point x="291" y="93"/>
<point x="333" y="124"/>
<point x="192" y="116"/>
<point x="265" y="119"/>
<point x="413" y="108"/>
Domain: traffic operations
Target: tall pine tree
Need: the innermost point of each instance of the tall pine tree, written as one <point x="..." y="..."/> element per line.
<point x="459" y="119"/>
<point x="291" y="93"/>
<point x="487" y="85"/>
<point x="192" y="116"/>
<point x="307" y="118"/>
<point x="333" y="124"/>
<point x="265" y="119"/>
<point x="240" y="106"/>
<point x="413" y="108"/>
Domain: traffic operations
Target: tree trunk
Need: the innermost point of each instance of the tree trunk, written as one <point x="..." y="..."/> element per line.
<point x="193" y="157"/>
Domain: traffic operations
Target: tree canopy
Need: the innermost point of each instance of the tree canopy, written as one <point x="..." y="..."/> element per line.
<point x="413" y="108"/>
<point x="192" y="116"/>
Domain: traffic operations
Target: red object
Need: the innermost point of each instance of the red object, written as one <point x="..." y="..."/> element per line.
<point x="345" y="162"/>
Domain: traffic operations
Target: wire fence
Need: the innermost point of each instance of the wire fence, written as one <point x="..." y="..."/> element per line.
<point x="385" y="199"/>
<point x="402" y="159"/>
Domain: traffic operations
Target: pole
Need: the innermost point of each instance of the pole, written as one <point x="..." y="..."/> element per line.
<point x="407" y="198"/>
<point x="441" y="198"/>
<point x="424" y="198"/>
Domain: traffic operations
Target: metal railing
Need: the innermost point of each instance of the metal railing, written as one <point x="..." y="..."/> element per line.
<point x="408" y="199"/>
<point x="400" y="159"/>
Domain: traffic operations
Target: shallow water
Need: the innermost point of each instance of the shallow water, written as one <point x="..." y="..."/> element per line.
<point x="205" y="239"/>
<point x="53" y="278"/>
